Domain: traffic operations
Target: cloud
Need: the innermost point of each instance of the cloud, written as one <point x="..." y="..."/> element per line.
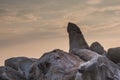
<point x="47" y="17"/>
<point x="29" y="17"/>
<point x="9" y="16"/>
<point x="33" y="35"/>
<point x="92" y="2"/>
<point x="106" y="26"/>
<point x="3" y="12"/>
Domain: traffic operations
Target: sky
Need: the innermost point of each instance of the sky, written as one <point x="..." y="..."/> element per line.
<point x="32" y="27"/>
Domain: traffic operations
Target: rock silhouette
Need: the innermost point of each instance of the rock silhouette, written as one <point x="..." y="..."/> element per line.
<point x="114" y="54"/>
<point x="97" y="47"/>
<point x="76" y="38"/>
<point x="80" y="63"/>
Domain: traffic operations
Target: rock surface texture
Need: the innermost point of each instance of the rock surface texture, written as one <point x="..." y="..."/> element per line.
<point x="21" y="64"/>
<point x="114" y="54"/>
<point x="81" y="63"/>
<point x="59" y="65"/>
<point x="97" y="47"/>
<point x="7" y="73"/>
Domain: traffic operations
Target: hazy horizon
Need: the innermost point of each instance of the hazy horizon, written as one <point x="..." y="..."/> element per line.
<point x="32" y="27"/>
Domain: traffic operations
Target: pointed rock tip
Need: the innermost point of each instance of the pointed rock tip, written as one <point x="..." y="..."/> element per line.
<point x="73" y="27"/>
<point x="95" y="43"/>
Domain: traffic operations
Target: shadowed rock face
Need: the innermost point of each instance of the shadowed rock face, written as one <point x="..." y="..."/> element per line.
<point x="21" y="64"/>
<point x="35" y="73"/>
<point x="59" y="65"/>
<point x="76" y="38"/>
<point x="7" y="73"/>
<point x="97" y="47"/>
<point x="114" y="54"/>
<point x="13" y="62"/>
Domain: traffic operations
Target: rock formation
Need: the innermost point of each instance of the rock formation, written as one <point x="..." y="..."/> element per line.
<point x="59" y="65"/>
<point x="76" y="38"/>
<point x="114" y="54"/>
<point x="81" y="63"/>
<point x="97" y="47"/>
<point x="7" y="73"/>
<point x="20" y="64"/>
<point x="98" y="68"/>
<point x="36" y="73"/>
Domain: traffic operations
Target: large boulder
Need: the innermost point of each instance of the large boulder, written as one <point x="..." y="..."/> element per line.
<point x="76" y="38"/>
<point x="97" y="47"/>
<point x="21" y="64"/>
<point x="7" y="73"/>
<point x="114" y="54"/>
<point x="96" y="67"/>
<point x="56" y="65"/>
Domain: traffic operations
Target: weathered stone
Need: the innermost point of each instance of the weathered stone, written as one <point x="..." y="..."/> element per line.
<point x="7" y="73"/>
<point x="59" y="65"/>
<point x="35" y="73"/>
<point x="114" y="54"/>
<point x="97" y="47"/>
<point x="21" y="64"/>
<point x="98" y="68"/>
<point x="76" y="38"/>
<point x="118" y="64"/>
<point x="13" y="62"/>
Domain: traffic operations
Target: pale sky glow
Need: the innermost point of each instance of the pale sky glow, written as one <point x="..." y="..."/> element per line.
<point x="31" y="27"/>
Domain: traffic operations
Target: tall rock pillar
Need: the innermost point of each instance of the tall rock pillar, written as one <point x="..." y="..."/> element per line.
<point x="76" y="38"/>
